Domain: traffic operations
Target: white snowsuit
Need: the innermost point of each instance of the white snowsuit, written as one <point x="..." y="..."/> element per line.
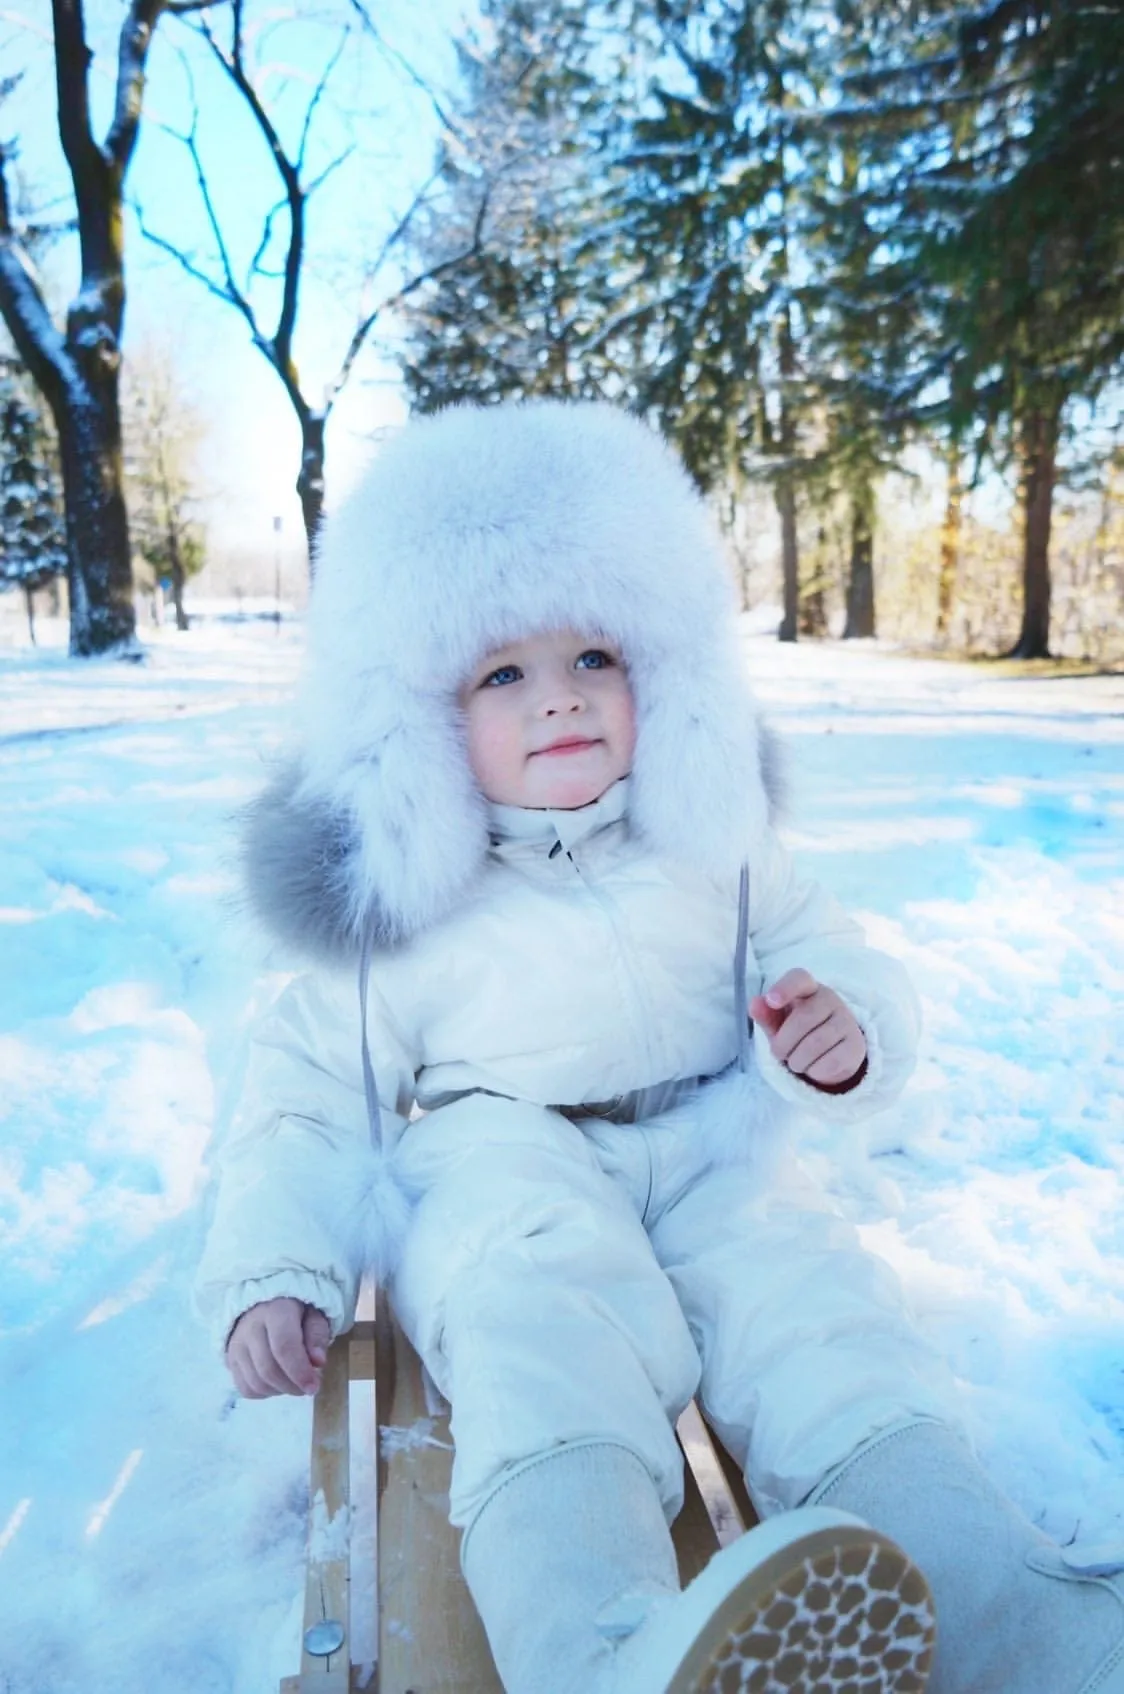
<point x="566" y="1276"/>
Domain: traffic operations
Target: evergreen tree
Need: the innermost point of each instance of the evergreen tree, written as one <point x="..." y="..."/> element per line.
<point x="32" y="529"/>
<point x="710" y="191"/>
<point x="997" y="141"/>
<point x="525" y="312"/>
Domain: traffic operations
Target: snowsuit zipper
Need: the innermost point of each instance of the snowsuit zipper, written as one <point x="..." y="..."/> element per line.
<point x="625" y="954"/>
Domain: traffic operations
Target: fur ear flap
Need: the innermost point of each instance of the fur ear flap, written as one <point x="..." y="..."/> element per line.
<point x="419" y="822"/>
<point x="297" y="851"/>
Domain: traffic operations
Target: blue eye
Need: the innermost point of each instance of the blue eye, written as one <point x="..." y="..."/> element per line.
<point x="601" y="659"/>
<point x="501" y="677"/>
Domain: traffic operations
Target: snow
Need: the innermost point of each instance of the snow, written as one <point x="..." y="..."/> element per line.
<point x="152" y="1533"/>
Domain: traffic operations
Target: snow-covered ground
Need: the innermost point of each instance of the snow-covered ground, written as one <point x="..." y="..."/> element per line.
<point x="151" y="1538"/>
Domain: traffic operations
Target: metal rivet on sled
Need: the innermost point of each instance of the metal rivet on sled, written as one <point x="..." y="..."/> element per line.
<point x="324" y="1638"/>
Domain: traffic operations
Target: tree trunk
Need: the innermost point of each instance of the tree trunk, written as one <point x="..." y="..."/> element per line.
<point x="790" y="560"/>
<point x="950" y="545"/>
<point x="813" y="611"/>
<point x="1038" y="450"/>
<point x="860" y="582"/>
<point x="178" y="579"/>
<point x="29" y="602"/>
<point x="178" y="576"/>
<point x="785" y="487"/>
<point x="99" y="564"/>
<point x="310" y="482"/>
<point x="78" y="373"/>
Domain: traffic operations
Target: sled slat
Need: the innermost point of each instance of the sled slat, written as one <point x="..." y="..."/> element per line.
<point x="327" y="1582"/>
<point x="361" y="1351"/>
<point x="736" y="1482"/>
<point x="430" y="1638"/>
<point x="721" y="1507"/>
<point x="692" y="1531"/>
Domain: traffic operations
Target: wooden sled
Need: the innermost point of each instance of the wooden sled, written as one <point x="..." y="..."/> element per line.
<point x="430" y="1640"/>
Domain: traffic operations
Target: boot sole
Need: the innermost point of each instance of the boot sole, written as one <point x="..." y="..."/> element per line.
<point x="840" y="1610"/>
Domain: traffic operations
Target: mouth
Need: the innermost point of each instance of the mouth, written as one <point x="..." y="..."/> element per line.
<point x="572" y="744"/>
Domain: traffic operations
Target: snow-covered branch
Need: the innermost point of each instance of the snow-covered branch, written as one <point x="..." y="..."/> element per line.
<point x="132" y="57"/>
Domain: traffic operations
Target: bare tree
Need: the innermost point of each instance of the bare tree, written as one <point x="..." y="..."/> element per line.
<point x="276" y="343"/>
<point x="162" y="431"/>
<point x="77" y="368"/>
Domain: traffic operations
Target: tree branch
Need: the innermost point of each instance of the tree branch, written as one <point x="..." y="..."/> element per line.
<point x="404" y="64"/>
<point x="332" y="165"/>
<point x="72" y="64"/>
<point x="233" y="65"/>
<point x="24" y="309"/>
<point x="316" y="95"/>
<point x="364" y="328"/>
<point x="263" y="244"/>
<point x="132" y="58"/>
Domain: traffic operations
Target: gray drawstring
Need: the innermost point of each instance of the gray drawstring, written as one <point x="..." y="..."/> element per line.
<point x="370" y="1088"/>
<point x="741" y="951"/>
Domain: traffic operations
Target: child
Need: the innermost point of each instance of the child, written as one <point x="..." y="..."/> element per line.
<point x="530" y="811"/>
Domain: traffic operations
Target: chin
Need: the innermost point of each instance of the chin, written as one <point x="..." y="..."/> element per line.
<point x="568" y="797"/>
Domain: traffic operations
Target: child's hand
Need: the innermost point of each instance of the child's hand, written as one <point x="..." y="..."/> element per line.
<point x="278" y="1347"/>
<point x="812" y="1032"/>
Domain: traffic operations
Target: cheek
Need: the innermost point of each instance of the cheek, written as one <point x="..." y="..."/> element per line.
<point x="494" y="744"/>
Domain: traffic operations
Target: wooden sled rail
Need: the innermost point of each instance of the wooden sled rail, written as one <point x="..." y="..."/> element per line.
<point x="430" y="1640"/>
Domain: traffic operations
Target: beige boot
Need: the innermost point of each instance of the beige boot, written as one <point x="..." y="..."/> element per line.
<point x="573" y="1572"/>
<point x="1015" y="1613"/>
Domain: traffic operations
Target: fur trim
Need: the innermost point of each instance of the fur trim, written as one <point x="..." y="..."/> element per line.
<point x="735" y="1118"/>
<point x="471" y="528"/>
<point x="296" y="858"/>
<point x="379" y="1213"/>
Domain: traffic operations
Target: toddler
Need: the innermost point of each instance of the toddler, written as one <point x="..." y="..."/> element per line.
<point x="525" y="844"/>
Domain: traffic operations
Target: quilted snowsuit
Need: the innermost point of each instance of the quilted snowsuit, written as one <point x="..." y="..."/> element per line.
<point x="588" y="1247"/>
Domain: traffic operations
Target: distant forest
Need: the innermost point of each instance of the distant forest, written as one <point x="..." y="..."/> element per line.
<point x="809" y="239"/>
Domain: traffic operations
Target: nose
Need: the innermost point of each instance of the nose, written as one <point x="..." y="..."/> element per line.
<point x="561" y="697"/>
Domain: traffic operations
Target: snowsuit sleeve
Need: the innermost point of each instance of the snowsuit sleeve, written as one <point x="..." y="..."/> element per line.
<point x="794" y="922"/>
<point x="291" y="1214"/>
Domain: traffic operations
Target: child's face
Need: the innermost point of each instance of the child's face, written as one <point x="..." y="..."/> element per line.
<point x="524" y="702"/>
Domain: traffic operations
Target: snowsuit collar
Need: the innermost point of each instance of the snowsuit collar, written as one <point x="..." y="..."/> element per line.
<point x="522" y="824"/>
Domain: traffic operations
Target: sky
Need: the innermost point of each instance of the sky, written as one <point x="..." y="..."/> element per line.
<point x="251" y="459"/>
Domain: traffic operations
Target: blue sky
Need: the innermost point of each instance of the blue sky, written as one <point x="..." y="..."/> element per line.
<point x="252" y="455"/>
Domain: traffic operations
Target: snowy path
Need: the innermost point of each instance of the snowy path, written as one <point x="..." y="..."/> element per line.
<point x="151" y="1541"/>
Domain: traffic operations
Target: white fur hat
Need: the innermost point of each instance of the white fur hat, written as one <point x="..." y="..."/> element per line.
<point x="469" y="529"/>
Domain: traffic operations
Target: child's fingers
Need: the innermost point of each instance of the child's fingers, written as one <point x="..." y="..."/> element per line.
<point x="806" y="1017"/>
<point x="841" y="1064"/>
<point x="761" y="1012"/>
<point x="246" y="1379"/>
<point x="317" y="1334"/>
<point x="795" y="984"/>
<point x="815" y="1048"/>
<point x="281" y="1357"/>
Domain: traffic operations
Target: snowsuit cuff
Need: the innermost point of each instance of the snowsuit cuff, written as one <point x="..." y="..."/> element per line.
<point x="867" y="1096"/>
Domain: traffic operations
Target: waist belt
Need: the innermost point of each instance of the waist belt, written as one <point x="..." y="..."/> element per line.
<point x="641" y="1103"/>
